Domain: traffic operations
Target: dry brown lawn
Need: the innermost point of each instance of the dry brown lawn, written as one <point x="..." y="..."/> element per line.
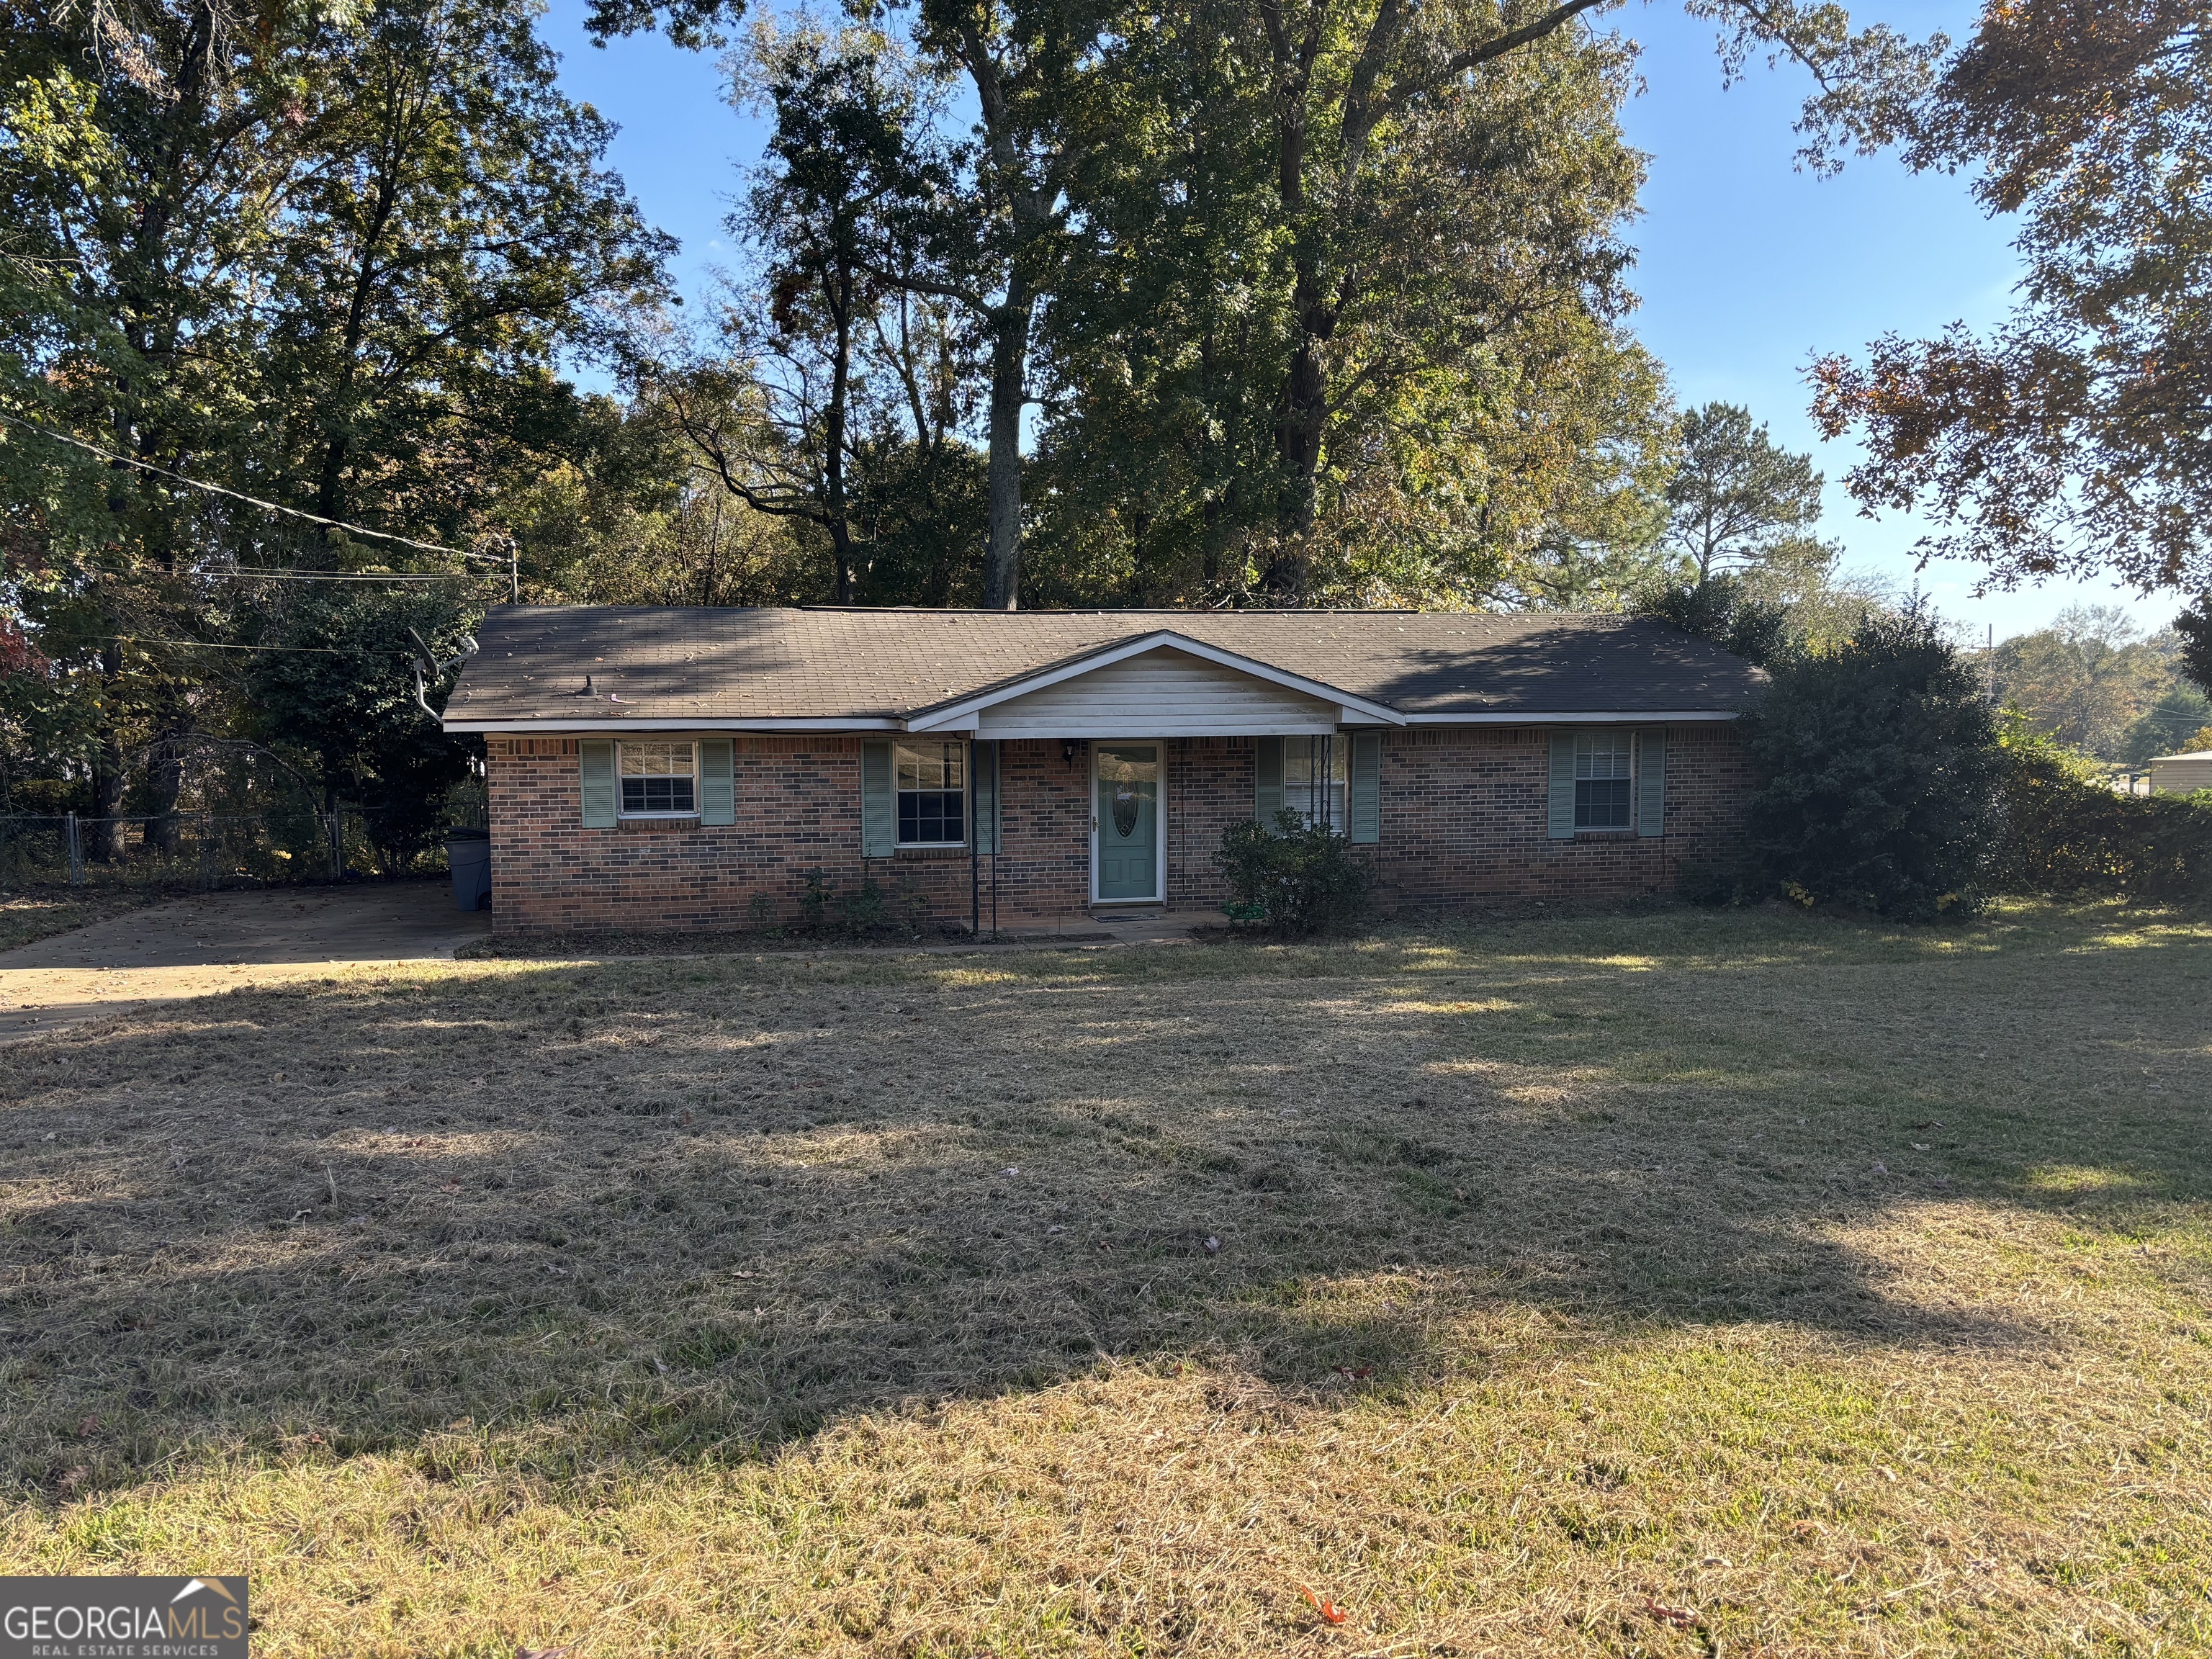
<point x="1675" y="1283"/>
<point x="28" y="915"/>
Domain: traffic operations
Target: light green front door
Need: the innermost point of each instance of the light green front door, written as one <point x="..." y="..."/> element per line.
<point x="1128" y="821"/>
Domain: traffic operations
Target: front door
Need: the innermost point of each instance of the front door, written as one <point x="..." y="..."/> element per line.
<point x="1128" y="818"/>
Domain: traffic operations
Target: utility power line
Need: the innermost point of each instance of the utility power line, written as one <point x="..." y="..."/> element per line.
<point x="214" y="645"/>
<point x="255" y="501"/>
<point x="268" y="573"/>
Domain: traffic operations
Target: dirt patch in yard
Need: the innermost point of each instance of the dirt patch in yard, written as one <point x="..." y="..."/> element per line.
<point x="28" y="916"/>
<point x="1668" y="1283"/>
<point x="186" y="948"/>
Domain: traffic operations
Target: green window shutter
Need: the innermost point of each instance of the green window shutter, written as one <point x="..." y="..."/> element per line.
<point x="1367" y="785"/>
<point x="1651" y="782"/>
<point x="983" y="759"/>
<point x="879" y="805"/>
<point x="1563" y="786"/>
<point x="598" y="759"/>
<point x="1267" y="781"/>
<point x="718" y="787"/>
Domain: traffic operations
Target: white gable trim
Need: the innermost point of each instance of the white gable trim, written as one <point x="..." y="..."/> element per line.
<point x="961" y="716"/>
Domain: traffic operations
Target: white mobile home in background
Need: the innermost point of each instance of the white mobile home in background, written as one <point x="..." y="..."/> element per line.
<point x="2181" y="774"/>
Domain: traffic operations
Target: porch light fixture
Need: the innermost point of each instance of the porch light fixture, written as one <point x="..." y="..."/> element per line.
<point x="1067" y="748"/>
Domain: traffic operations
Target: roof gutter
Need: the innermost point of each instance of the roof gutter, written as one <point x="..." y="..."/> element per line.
<point x="702" y="723"/>
<point x="881" y="723"/>
<point x="1585" y="717"/>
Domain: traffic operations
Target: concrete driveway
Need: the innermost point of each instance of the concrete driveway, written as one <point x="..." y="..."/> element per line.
<point x="195" y="947"/>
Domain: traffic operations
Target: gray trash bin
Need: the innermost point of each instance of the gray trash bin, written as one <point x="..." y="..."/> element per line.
<point x="468" y="853"/>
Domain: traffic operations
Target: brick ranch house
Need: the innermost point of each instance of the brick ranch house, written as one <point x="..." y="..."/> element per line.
<point x="688" y="768"/>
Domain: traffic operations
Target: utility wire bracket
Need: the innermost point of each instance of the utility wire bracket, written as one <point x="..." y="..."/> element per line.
<point x="428" y="667"/>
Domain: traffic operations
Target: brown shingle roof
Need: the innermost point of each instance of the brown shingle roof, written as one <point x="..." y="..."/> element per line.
<point x="697" y="664"/>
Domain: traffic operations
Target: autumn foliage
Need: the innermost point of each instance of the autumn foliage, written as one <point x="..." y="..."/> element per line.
<point x="2072" y="440"/>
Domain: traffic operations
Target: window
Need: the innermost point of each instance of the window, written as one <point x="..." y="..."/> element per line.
<point x="656" y="780"/>
<point x="1315" y="773"/>
<point x="933" y="794"/>
<point x="1604" y="780"/>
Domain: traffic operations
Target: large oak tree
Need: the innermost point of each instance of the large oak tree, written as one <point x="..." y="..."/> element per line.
<point x="1334" y="96"/>
<point x="326" y="256"/>
<point x="2075" y="439"/>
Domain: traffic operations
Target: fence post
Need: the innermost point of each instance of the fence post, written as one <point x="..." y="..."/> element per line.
<point x="338" y="844"/>
<point x="76" y="855"/>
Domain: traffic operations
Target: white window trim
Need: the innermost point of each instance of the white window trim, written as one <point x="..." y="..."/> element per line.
<point x="966" y="784"/>
<point x="1159" y="746"/>
<point x="1635" y="787"/>
<point x="621" y="812"/>
<point x="1340" y="752"/>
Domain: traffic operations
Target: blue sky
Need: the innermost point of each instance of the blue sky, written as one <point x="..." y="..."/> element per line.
<point x="1747" y="267"/>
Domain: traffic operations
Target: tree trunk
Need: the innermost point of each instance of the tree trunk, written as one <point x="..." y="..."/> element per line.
<point x="841" y="550"/>
<point x="167" y="772"/>
<point x="1029" y="201"/>
<point x="1010" y="351"/>
<point x="1302" y="417"/>
<point x="1299" y="427"/>
<point x="338" y="449"/>
<point x="840" y="287"/>
<point x="330" y="480"/>
<point x="107" y="762"/>
<point x="1303" y="406"/>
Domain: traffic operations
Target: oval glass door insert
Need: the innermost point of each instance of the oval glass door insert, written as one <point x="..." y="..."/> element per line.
<point x="1124" y="810"/>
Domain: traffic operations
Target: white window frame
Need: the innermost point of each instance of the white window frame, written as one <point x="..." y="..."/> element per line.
<point x="1335" y="790"/>
<point x="967" y="783"/>
<point x="1622" y="742"/>
<point x="622" y="808"/>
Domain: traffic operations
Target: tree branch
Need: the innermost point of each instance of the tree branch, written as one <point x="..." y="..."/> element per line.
<point x="1496" y="46"/>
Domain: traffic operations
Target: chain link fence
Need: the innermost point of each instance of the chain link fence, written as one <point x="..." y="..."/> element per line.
<point x="204" y="851"/>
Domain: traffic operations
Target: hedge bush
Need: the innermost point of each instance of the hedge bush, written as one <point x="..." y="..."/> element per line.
<point x="1724" y="610"/>
<point x="866" y="912"/>
<point x="1880" y="774"/>
<point x="1888" y="784"/>
<point x="1293" y="880"/>
<point x="2066" y="832"/>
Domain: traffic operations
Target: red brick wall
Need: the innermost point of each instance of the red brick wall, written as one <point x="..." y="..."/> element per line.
<point x="801" y="801"/>
<point x="1209" y="788"/>
<point x="798" y="808"/>
<point x="1044" y="829"/>
<point x="1464" y="816"/>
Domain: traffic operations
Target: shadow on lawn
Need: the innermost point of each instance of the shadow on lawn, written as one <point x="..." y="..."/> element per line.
<point x="669" y="1209"/>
